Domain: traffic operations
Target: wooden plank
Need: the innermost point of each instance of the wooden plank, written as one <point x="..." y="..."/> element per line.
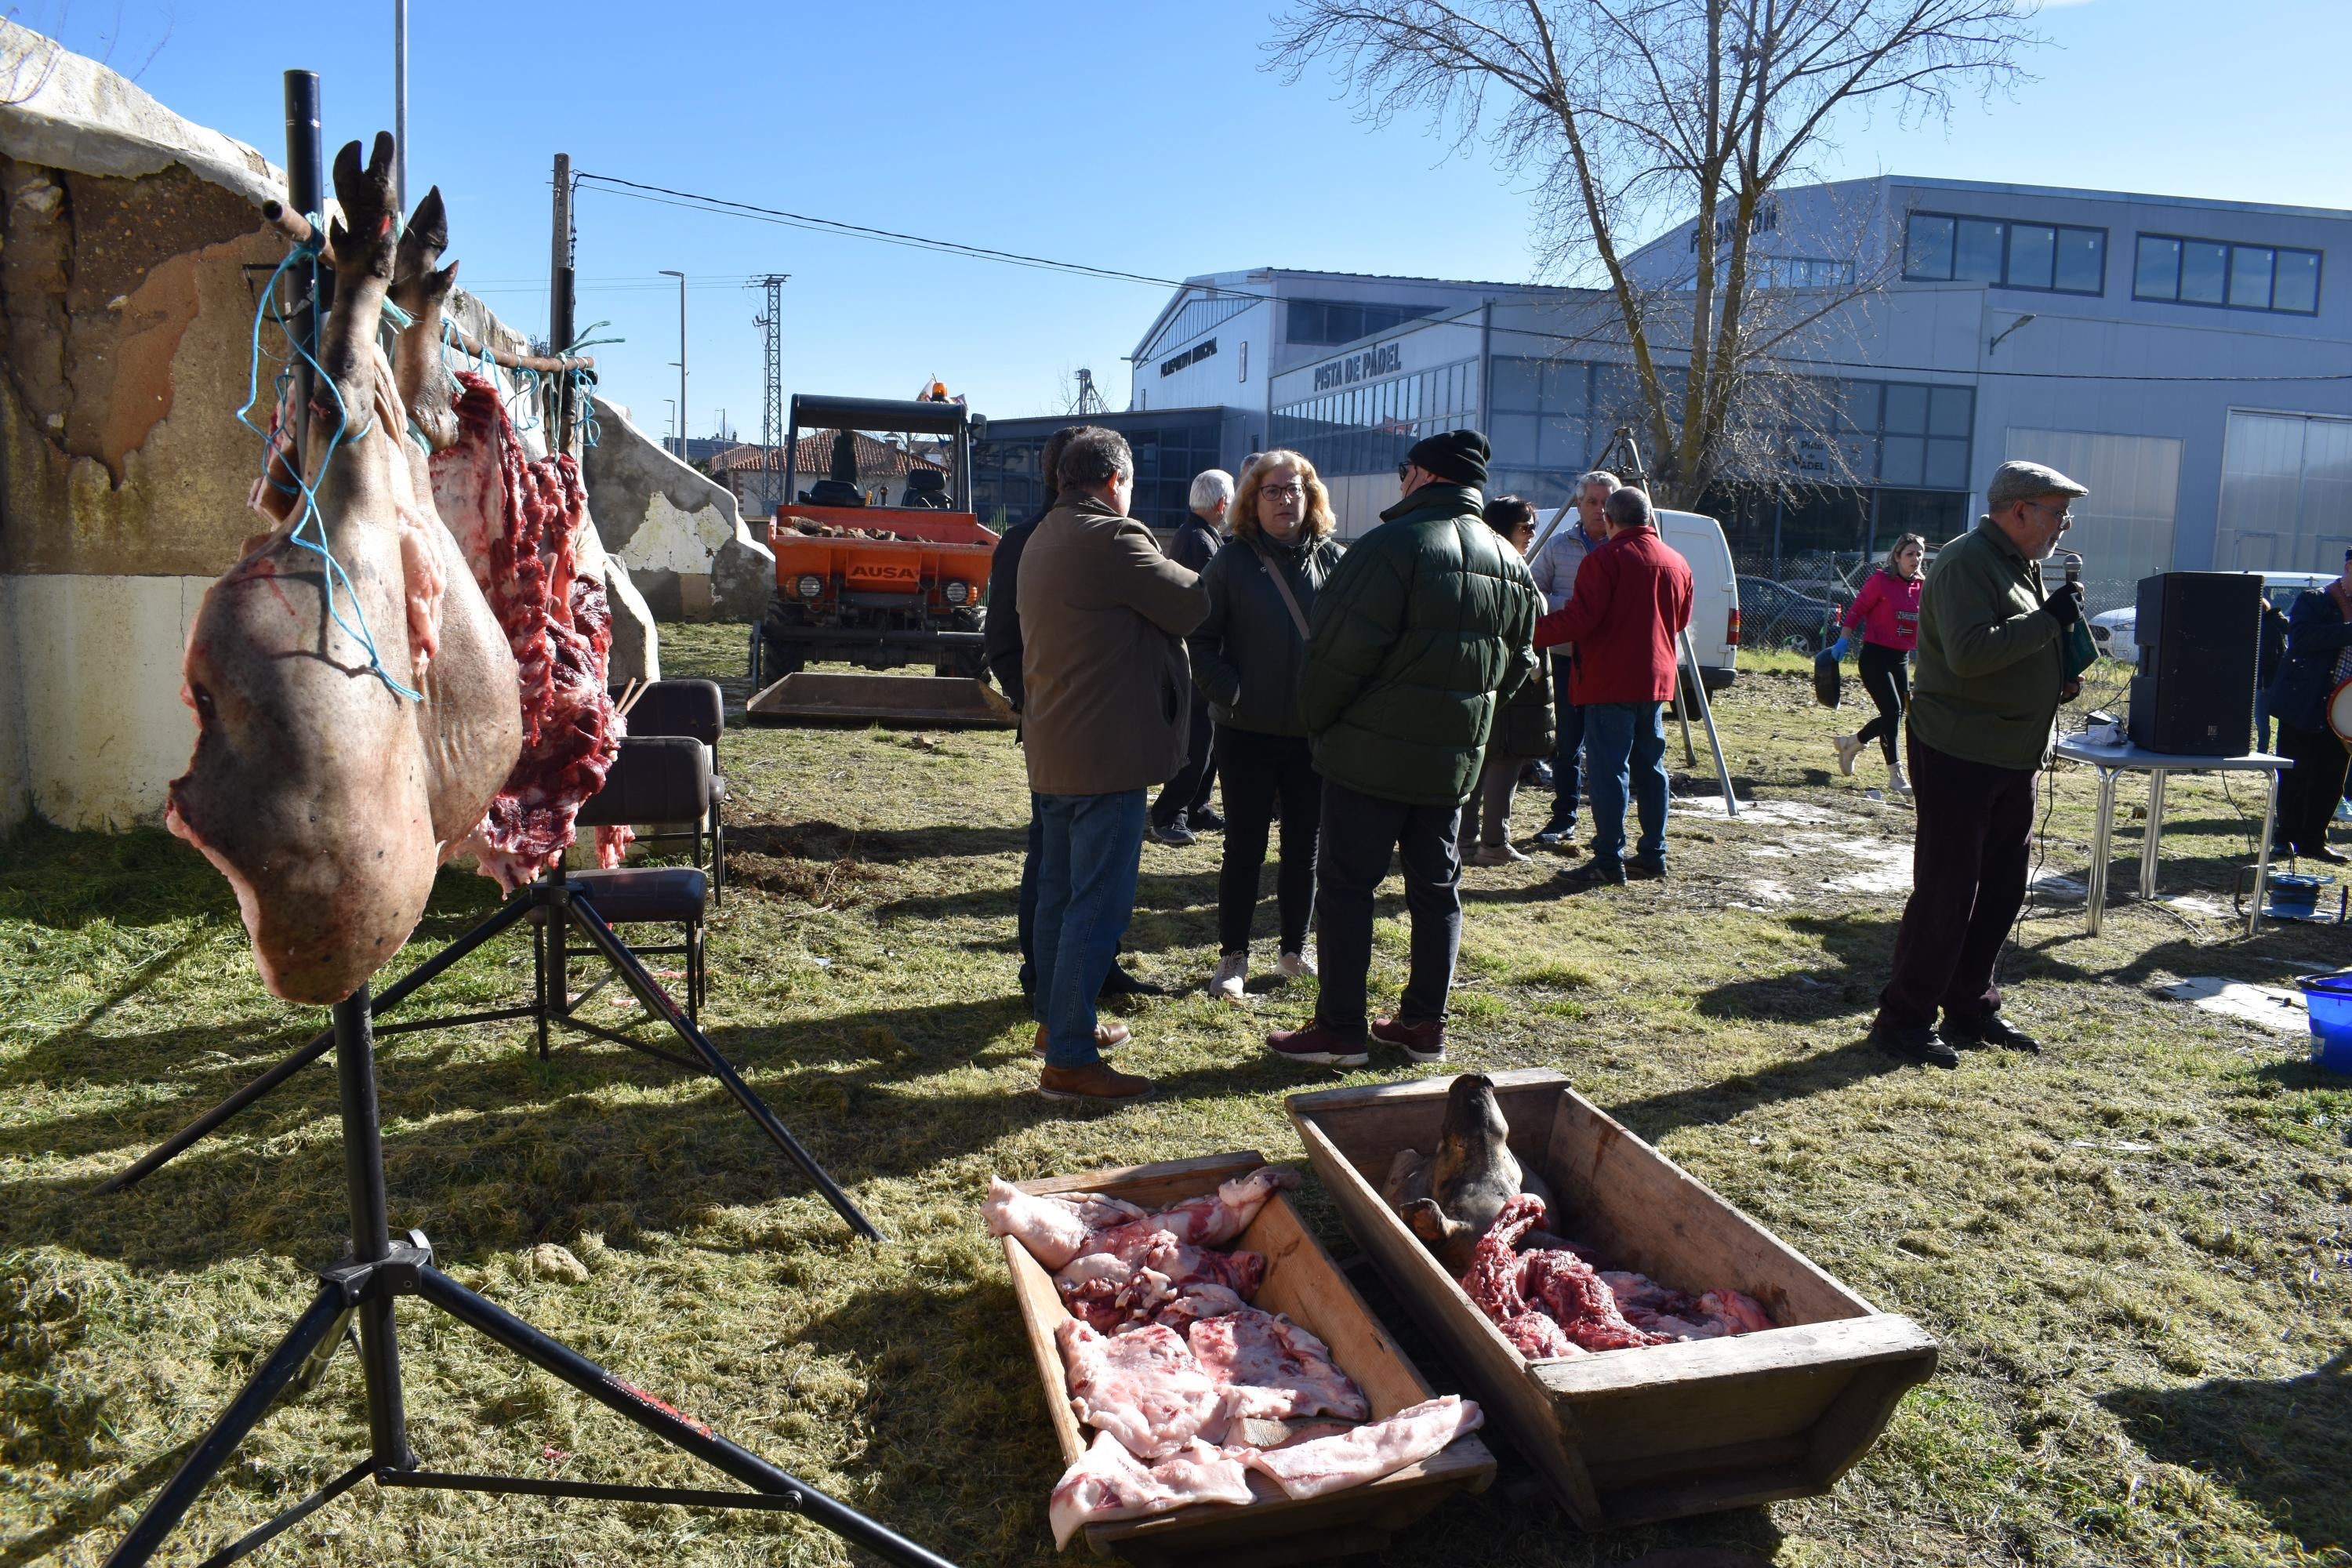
<point x="1854" y="1420"/>
<point x="1041" y="1313"/>
<point x="1742" y="1489"/>
<point x="1322" y="1103"/>
<point x="1649" y="1215"/>
<point x="1153" y="1186"/>
<point x="1496" y="1372"/>
<point x="1883" y="1336"/>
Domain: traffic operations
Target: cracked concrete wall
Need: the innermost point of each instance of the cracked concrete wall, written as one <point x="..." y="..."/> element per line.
<point x="132" y="254"/>
<point x="681" y="532"/>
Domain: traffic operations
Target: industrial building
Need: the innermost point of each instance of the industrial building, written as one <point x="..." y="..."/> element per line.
<point x="2188" y="359"/>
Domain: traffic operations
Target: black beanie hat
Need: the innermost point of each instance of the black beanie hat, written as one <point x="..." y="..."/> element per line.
<point x="1459" y="456"/>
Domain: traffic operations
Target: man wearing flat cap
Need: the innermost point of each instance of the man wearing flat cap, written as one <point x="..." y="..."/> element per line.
<point x="1992" y="670"/>
<point x="1421" y="631"/>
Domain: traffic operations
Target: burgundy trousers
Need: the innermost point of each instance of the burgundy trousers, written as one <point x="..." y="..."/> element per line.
<point x="1969" y="861"/>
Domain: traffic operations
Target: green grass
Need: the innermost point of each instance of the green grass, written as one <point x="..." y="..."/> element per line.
<point x="2144" y="1347"/>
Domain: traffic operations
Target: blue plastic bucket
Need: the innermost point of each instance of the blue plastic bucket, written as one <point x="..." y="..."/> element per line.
<point x="2329" y="998"/>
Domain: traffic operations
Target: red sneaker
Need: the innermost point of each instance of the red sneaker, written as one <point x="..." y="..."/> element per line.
<point x="1319" y="1046"/>
<point x="1422" y="1042"/>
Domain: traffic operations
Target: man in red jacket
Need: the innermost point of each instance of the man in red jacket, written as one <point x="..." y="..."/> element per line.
<point x="1632" y="599"/>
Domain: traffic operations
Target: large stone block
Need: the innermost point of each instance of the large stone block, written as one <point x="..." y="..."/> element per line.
<point x="680" y="532"/>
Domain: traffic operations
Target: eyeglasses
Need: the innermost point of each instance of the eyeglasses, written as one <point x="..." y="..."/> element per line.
<point x="2065" y="514"/>
<point x="1284" y="492"/>
<point x="1402" y="469"/>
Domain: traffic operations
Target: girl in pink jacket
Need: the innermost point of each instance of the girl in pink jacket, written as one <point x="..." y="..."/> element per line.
<point x="1887" y="611"/>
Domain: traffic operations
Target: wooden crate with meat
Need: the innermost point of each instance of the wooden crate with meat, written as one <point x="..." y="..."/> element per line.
<point x="1659" y="1430"/>
<point x="1287" y="1516"/>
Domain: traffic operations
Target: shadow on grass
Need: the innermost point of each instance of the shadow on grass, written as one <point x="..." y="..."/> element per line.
<point x="2281" y="1446"/>
<point x="821" y="840"/>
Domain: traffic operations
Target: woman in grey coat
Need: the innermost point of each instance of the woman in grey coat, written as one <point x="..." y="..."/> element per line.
<point x="1262" y="587"/>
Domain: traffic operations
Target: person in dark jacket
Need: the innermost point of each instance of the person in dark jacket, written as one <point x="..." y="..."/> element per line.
<point x="1246" y="657"/>
<point x="1183" y="802"/>
<point x="1424" y="629"/>
<point x="1632" y="599"/>
<point x="2318" y="652"/>
<point x="1522" y="728"/>
<point x="1000" y="646"/>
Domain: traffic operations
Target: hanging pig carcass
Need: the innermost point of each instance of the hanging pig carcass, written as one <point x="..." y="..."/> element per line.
<point x="327" y="797"/>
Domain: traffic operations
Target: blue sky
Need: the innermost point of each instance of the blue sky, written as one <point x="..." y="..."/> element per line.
<point x="1140" y="136"/>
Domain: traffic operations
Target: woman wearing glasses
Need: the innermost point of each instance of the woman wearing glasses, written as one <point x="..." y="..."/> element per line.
<point x="1246" y="657"/>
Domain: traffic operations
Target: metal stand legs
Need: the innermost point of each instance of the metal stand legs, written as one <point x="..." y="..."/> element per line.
<point x="364" y="1286"/>
<point x="567" y="908"/>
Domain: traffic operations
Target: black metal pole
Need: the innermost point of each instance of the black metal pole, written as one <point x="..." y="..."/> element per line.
<point x="560" y="328"/>
<point x="571" y="906"/>
<point x="399" y="991"/>
<point x="371" y="1227"/>
<point x="306" y="163"/>
<point x="213" y="1449"/>
<point x="553" y="1356"/>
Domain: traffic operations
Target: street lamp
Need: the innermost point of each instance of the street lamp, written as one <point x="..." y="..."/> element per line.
<point x="673" y="272"/>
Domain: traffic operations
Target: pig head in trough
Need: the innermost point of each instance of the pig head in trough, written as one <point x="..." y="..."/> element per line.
<point x="327" y="798"/>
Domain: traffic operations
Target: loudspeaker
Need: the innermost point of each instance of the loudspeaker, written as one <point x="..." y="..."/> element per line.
<point x="2198" y="635"/>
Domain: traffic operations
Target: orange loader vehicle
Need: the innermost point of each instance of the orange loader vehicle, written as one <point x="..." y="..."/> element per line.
<point x="878" y="586"/>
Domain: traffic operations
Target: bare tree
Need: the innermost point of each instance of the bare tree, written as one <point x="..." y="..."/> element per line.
<point x="1624" y="110"/>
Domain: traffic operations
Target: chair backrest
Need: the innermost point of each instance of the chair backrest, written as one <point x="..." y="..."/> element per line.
<point x="690" y="708"/>
<point x="656" y="778"/>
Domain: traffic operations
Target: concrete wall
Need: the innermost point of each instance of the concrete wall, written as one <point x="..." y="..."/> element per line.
<point x="680" y="532"/>
<point x="126" y="312"/>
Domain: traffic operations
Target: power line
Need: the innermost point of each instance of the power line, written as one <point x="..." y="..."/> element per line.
<point x="665" y="196"/>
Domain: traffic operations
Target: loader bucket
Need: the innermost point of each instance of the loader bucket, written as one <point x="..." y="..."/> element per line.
<point x="884" y="699"/>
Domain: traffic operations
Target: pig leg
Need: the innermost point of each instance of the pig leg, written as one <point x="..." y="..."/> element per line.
<point x="423" y="293"/>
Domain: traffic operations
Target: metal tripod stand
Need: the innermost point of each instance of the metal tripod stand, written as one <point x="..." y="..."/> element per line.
<point x="363" y="1286"/>
<point x="567" y="908"/>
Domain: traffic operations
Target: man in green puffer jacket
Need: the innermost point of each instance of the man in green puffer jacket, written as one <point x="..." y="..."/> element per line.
<point x="1426" y="626"/>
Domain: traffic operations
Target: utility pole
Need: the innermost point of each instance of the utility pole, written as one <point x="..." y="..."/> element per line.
<point x="558" y="300"/>
<point x="772" y="391"/>
<point x="400" y="105"/>
<point x="673" y="272"/>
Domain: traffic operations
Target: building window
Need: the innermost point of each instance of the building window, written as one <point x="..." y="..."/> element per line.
<point x="2177" y="270"/>
<point x="1244" y="357"/>
<point x="2051" y="258"/>
<point x="1321" y="323"/>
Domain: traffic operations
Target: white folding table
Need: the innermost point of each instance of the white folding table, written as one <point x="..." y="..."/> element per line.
<point x="2114" y="761"/>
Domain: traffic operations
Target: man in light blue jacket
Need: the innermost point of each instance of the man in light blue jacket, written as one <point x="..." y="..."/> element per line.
<point x="1554" y="570"/>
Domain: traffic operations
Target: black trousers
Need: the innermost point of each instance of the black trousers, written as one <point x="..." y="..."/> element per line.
<point x="1969" y="861"/>
<point x="2308" y="793"/>
<point x="1361" y="833"/>
<point x="1266" y="776"/>
<point x="1886" y="676"/>
<point x="1189" y="790"/>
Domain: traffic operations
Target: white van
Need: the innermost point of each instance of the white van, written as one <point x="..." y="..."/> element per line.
<point x="1714" y="594"/>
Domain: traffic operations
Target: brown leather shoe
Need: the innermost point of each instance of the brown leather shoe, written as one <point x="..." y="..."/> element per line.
<point x="1095" y="1081"/>
<point x="1106" y="1036"/>
<point x="1318" y="1045"/>
<point x="1423" y="1042"/>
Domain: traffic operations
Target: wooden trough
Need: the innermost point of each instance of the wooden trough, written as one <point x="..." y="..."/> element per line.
<point x="1303" y="1282"/>
<point x="862" y="697"/>
<point x="1632" y="1437"/>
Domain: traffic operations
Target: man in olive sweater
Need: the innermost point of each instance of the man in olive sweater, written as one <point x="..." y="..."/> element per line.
<point x="1425" y="627"/>
<point x="1991" y="674"/>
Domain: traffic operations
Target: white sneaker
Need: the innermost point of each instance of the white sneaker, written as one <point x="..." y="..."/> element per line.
<point x="1226" y="983"/>
<point x="1296" y="966"/>
<point x="1896" y="782"/>
<point x="1495" y="855"/>
<point x="1848" y="748"/>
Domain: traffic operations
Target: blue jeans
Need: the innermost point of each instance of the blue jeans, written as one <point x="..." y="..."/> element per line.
<point x="1024" y="920"/>
<point x="1624" y="739"/>
<point x="1567" y="725"/>
<point x="1085" y="892"/>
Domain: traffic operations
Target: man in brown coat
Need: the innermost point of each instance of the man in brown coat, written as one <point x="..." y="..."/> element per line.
<point x="1106" y="716"/>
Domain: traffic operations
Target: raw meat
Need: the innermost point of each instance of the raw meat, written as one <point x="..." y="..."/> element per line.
<point x="1213" y="1219"/>
<point x="1107" y="1482"/>
<point x="1368" y="1452"/>
<point x="1054" y="1229"/>
<point x="1143" y="1270"/>
<point x="1142" y="1386"/>
<point x="1196" y="1303"/>
<point x="1642" y="1299"/>
<point x="1565" y="1286"/>
<point x="1738" y="1313"/>
<point x="1271" y="1366"/>
<point x="1537" y="1337"/>
<point x="519" y="523"/>
<point x="325" y="798"/>
<point x="1493" y="1281"/>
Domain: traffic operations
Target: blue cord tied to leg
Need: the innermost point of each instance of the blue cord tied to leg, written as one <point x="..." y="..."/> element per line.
<point x="311" y="519"/>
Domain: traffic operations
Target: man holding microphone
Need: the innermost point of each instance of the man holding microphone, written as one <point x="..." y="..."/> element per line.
<point x="1992" y="671"/>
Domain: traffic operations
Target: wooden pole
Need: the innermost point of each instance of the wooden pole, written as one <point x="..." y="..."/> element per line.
<point x="560" y="328"/>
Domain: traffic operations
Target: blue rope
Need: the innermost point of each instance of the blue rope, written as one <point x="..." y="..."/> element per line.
<point x="334" y="571"/>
